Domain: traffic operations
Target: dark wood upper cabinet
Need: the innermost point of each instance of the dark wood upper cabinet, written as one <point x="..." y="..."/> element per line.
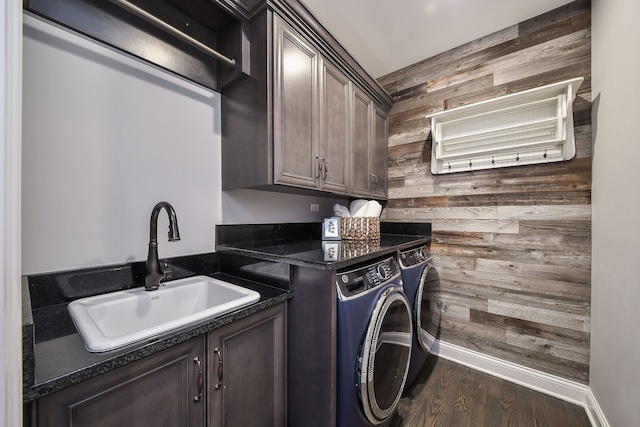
<point x="311" y="116"/>
<point x="335" y="129"/>
<point x="302" y="119"/>
<point x="379" y="156"/>
<point x="370" y="134"/>
<point x="361" y="180"/>
<point x="295" y="111"/>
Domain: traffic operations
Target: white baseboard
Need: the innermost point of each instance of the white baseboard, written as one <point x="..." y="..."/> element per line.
<point x="596" y="416"/>
<point x="561" y="388"/>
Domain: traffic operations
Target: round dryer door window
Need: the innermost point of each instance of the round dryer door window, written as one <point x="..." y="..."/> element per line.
<point x="427" y="308"/>
<point x="385" y="355"/>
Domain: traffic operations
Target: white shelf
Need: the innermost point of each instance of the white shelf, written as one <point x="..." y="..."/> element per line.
<point x="533" y="126"/>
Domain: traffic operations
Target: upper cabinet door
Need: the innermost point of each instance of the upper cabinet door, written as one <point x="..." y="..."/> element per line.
<point x="361" y="179"/>
<point x="335" y="129"/>
<point x="380" y="144"/>
<point x="295" y="127"/>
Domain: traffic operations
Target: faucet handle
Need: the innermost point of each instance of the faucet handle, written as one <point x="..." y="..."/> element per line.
<point x="164" y="267"/>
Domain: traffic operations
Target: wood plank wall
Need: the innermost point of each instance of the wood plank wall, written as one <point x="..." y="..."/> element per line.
<point x="512" y="246"/>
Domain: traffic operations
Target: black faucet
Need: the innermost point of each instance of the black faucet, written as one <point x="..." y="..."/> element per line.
<point x="155" y="274"/>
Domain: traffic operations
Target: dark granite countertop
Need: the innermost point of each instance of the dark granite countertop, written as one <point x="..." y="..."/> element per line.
<point x="300" y="244"/>
<point x="56" y="357"/>
<point x="324" y="255"/>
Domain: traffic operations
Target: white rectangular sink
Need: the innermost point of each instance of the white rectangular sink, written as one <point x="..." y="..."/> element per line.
<point x="116" y="319"/>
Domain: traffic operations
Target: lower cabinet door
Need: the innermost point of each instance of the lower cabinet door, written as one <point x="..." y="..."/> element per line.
<point x="247" y="371"/>
<point x="159" y="390"/>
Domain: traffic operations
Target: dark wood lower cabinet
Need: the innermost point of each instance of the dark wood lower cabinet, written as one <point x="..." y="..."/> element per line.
<point x="247" y="371"/>
<point x="243" y="367"/>
<point x="156" y="391"/>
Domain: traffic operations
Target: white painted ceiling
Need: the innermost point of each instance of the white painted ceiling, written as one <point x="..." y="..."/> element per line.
<point x="387" y="35"/>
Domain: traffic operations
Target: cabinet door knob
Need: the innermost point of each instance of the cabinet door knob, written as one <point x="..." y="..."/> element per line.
<point x="199" y="380"/>
<point x="218" y="353"/>
<point x="325" y="170"/>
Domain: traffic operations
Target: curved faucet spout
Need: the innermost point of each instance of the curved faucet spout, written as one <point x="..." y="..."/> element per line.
<point x="155" y="274"/>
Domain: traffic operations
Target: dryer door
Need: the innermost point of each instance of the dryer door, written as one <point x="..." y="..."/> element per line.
<point x="384" y="356"/>
<point x="427" y="309"/>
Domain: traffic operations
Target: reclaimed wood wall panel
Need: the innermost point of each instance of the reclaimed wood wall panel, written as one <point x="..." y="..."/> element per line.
<point x="512" y="245"/>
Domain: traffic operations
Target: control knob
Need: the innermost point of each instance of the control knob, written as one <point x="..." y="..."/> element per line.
<point x="381" y="272"/>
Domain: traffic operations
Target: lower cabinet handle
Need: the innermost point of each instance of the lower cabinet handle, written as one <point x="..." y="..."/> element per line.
<point x="217" y="352"/>
<point x="199" y="380"/>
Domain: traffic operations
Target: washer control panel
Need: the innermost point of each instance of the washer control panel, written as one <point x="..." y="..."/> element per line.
<point x="414" y="256"/>
<point x="360" y="280"/>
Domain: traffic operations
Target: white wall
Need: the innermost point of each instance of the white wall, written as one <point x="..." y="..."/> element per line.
<point x="615" y="295"/>
<point x="105" y="138"/>
<point x="252" y="206"/>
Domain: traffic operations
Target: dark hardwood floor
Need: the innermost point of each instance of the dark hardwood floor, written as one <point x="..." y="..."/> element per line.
<point x="449" y="394"/>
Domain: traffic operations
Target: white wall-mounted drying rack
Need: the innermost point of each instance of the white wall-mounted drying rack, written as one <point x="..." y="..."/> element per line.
<point x="533" y="126"/>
